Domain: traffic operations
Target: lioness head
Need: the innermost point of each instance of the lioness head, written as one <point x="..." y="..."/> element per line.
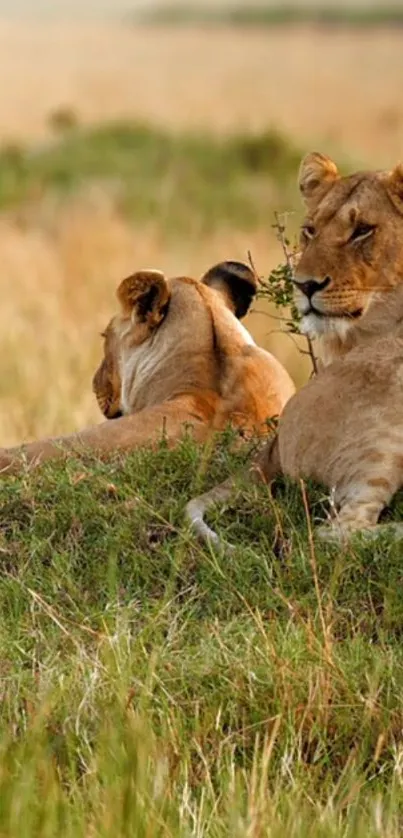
<point x="351" y="246"/>
<point x="151" y="304"/>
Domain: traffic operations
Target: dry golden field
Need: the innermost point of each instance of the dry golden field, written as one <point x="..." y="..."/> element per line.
<point x="341" y="89"/>
<point x="61" y="260"/>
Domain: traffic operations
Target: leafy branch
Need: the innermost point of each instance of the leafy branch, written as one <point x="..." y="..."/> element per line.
<point x="278" y="287"/>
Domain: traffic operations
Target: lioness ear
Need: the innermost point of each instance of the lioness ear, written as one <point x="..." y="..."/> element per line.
<point x="316" y="174"/>
<point x="395" y="186"/>
<point x="145" y="296"/>
<point x="236" y="282"/>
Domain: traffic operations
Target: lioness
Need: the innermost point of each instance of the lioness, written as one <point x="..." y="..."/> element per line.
<point x="345" y="427"/>
<point x="175" y="355"/>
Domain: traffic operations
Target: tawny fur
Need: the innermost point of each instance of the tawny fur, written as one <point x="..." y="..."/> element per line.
<point x="344" y="428"/>
<point x="176" y="355"/>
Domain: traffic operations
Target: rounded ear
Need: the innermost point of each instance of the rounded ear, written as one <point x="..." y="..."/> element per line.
<point x="394" y="185"/>
<point x="236" y="282"/>
<point x="145" y="296"/>
<point x="316" y="174"/>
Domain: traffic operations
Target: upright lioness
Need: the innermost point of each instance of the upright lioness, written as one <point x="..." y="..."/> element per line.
<point x="345" y="427"/>
<point x="175" y="355"/>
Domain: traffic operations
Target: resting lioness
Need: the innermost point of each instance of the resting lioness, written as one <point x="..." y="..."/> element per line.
<point x="175" y="355"/>
<point x="345" y="427"/>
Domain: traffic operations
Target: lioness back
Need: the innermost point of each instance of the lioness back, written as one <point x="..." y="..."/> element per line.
<point x="176" y="356"/>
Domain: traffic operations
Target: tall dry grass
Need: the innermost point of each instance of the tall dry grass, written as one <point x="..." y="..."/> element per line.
<point x="339" y="89"/>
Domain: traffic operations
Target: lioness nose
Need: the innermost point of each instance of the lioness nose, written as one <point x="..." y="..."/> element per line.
<point x="310" y="286"/>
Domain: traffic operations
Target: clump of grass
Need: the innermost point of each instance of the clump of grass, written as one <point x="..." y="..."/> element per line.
<point x="176" y="180"/>
<point x="150" y="687"/>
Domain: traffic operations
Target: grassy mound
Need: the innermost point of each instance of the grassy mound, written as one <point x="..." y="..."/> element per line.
<point x="153" y="688"/>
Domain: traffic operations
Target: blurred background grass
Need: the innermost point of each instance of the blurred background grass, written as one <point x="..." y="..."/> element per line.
<point x="146" y="134"/>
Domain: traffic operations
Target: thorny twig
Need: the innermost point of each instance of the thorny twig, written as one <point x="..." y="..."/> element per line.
<point x="279" y="286"/>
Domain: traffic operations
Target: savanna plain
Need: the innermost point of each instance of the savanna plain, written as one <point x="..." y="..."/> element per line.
<point x="150" y="687"/>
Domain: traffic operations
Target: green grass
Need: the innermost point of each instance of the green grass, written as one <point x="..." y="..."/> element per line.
<point x="181" y="181"/>
<point x="153" y="688"/>
<point x="277" y="15"/>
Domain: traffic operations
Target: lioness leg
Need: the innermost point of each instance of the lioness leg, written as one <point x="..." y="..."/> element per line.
<point x="146" y="427"/>
<point x="360" y="507"/>
<point x="264" y="468"/>
<point x="196" y="509"/>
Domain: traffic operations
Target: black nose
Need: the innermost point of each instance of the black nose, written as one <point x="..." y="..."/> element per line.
<point x="310" y="286"/>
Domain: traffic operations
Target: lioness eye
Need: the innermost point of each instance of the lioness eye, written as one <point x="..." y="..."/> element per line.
<point x="308" y="230"/>
<point x="362" y="231"/>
